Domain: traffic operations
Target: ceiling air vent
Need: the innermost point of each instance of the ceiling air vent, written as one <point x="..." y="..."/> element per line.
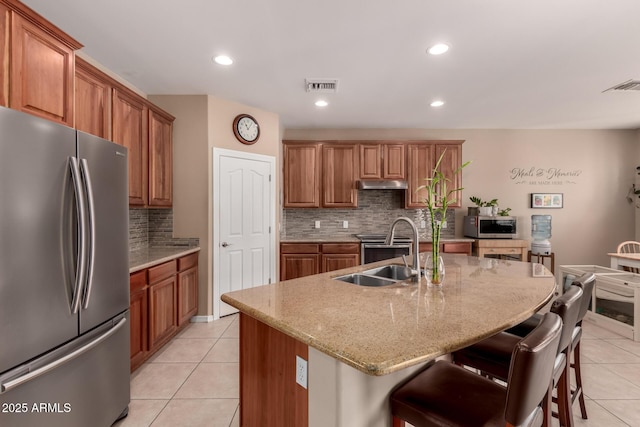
<point x="321" y="85"/>
<point x="628" y="85"/>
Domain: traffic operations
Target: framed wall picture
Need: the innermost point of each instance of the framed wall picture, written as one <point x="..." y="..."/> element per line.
<point x="546" y="200"/>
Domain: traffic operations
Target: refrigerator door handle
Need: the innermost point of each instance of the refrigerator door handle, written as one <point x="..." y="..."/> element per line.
<point x="91" y="230"/>
<point x="10" y="385"/>
<point x="81" y="268"/>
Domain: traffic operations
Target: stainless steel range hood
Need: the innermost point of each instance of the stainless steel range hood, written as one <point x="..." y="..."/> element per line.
<point x="379" y="184"/>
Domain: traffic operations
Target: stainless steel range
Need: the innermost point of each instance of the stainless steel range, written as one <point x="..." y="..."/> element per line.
<point x="372" y="247"/>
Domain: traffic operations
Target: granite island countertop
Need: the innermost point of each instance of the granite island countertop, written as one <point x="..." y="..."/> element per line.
<point x="384" y="329"/>
<point x="148" y="257"/>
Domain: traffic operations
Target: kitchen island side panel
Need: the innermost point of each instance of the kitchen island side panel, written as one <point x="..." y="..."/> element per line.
<point x="269" y="393"/>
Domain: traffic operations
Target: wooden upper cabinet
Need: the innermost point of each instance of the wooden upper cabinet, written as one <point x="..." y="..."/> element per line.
<point x="41" y="68"/>
<point x="339" y="176"/>
<point x="450" y="162"/>
<point x="370" y="161"/>
<point x="422" y="158"/>
<point x="129" y="128"/>
<point x="301" y="175"/>
<point x="420" y="162"/>
<point x="382" y="161"/>
<point x="93" y="100"/>
<point x="160" y="158"/>
<point x="5" y="37"/>
<point x="393" y="161"/>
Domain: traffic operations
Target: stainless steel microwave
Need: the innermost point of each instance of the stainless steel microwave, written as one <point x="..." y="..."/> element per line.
<point x="490" y="227"/>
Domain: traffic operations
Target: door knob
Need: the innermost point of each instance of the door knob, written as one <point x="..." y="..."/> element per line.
<point x="225" y="244"/>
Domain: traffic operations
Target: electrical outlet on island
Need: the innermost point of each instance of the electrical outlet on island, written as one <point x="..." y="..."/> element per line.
<point x="301" y="371"/>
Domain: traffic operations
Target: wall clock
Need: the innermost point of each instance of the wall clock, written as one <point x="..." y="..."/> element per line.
<point x="246" y="129"/>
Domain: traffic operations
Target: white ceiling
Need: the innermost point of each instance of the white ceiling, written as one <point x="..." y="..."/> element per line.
<point x="512" y="63"/>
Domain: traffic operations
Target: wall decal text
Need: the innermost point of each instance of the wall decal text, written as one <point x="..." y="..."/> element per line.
<point x="544" y="176"/>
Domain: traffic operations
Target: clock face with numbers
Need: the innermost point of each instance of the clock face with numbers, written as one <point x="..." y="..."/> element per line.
<point x="246" y="129"/>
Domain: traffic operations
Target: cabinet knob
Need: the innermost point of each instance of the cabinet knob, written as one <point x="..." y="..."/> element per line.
<point x="225" y="244"/>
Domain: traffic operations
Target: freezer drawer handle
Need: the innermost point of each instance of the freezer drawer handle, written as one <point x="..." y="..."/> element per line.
<point x="10" y="385"/>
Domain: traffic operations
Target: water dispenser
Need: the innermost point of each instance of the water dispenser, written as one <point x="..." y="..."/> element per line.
<point x="541" y="232"/>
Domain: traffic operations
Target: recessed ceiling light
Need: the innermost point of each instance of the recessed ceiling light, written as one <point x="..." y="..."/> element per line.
<point x="223" y="60"/>
<point x="321" y="103"/>
<point x="437" y="103"/>
<point x="438" y="49"/>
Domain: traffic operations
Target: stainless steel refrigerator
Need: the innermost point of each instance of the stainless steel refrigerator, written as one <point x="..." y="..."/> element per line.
<point x="64" y="275"/>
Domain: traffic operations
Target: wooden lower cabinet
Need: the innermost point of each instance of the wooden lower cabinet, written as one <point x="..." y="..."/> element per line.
<point x="306" y="259"/>
<point x="293" y="266"/>
<point x="187" y="288"/>
<point x="138" y="312"/>
<point x="163" y="319"/>
<point x="299" y="260"/>
<point x="162" y="300"/>
<point x="449" y="247"/>
<point x="336" y="256"/>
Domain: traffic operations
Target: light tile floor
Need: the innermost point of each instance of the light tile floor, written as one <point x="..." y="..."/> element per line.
<point x="193" y="380"/>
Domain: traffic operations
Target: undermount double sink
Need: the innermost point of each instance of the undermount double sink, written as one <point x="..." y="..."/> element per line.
<point x="380" y="276"/>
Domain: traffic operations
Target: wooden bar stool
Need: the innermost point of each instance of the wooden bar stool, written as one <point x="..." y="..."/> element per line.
<point x="448" y="395"/>
<point x="492" y="355"/>
<point x="586" y="282"/>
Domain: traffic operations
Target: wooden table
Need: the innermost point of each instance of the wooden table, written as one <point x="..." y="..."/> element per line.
<point x="513" y="247"/>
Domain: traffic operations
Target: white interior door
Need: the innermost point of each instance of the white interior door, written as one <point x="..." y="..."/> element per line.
<point x="244" y="223"/>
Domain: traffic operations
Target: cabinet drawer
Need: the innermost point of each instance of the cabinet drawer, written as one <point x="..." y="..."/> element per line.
<point x="503" y="251"/>
<point x="138" y="280"/>
<point x="341" y="248"/>
<point x="162" y="271"/>
<point x="457" y="248"/>
<point x="187" y="262"/>
<point x="299" y="248"/>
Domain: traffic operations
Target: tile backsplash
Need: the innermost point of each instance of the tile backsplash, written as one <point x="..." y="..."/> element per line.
<point x="375" y="212"/>
<point x="154" y="227"/>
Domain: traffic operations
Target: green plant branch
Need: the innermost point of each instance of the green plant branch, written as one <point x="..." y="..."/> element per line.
<point x="437" y="200"/>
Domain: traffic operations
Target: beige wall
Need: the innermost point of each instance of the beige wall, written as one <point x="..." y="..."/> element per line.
<point x="202" y="123"/>
<point x="636" y="199"/>
<point x="596" y="215"/>
<point x="190" y="177"/>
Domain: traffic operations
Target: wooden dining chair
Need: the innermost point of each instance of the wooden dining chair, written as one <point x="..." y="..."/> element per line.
<point x="629" y="247"/>
<point x="448" y="395"/>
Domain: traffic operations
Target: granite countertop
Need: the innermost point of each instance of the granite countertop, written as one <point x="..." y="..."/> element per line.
<point x="384" y="329"/>
<point x="148" y="257"/>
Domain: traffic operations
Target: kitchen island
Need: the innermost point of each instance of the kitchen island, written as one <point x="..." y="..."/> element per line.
<point x="361" y="341"/>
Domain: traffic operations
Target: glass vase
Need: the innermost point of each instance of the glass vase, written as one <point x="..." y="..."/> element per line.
<point x="434" y="270"/>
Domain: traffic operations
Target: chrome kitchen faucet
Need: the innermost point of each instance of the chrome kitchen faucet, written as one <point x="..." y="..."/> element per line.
<point x="415" y="271"/>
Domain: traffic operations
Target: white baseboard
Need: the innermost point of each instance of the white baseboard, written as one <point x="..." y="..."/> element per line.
<point x="202" y="319"/>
